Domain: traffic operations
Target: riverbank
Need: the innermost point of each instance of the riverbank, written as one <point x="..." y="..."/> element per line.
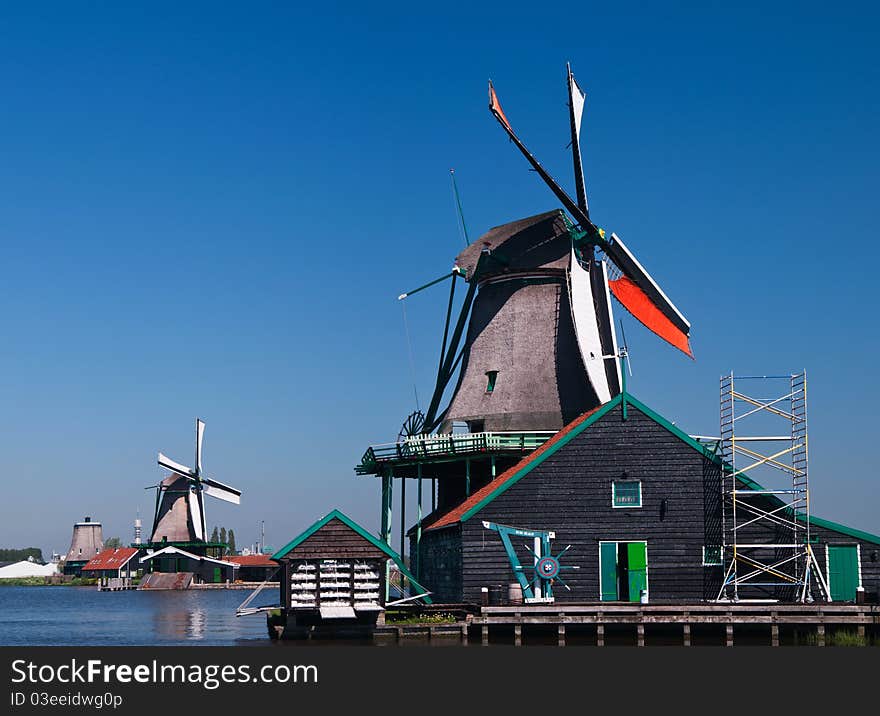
<point x="48" y="582"/>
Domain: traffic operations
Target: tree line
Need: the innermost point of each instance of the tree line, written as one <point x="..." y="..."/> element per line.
<point x="20" y="555"/>
<point x="225" y="537"/>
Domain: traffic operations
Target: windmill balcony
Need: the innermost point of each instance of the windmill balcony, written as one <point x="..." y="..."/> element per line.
<point x="448" y="447"/>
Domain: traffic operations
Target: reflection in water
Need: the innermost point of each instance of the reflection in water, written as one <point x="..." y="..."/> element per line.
<point x="42" y="616"/>
<point x="180" y="619"/>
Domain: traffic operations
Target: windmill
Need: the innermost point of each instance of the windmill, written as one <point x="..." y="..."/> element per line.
<point x="541" y="346"/>
<point x="180" y="504"/>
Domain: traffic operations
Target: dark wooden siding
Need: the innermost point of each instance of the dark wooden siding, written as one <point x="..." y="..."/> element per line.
<point x="440" y="569"/>
<point x="335" y="540"/>
<point x="570" y="493"/>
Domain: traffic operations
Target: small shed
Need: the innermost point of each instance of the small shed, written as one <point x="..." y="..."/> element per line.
<point x="113" y="563"/>
<point x="336" y="570"/>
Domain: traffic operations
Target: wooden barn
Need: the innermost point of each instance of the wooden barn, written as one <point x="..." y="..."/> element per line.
<point x="639" y="502"/>
<point x="334" y="572"/>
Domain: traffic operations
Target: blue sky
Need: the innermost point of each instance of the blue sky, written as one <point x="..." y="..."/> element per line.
<point x="210" y="211"/>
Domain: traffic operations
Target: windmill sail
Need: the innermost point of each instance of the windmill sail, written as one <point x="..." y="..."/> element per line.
<point x="645" y="300"/>
<point x="576" y="112"/>
<point x="641" y="296"/>
<point x="196" y="515"/>
<point x="221" y="491"/>
<point x="175" y="467"/>
<point x="587" y="323"/>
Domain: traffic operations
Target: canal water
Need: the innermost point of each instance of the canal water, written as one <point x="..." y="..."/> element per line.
<point x="74" y="616"/>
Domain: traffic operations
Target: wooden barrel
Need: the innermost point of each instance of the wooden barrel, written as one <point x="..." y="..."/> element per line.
<point x="497" y="594"/>
<point x="514" y="593"/>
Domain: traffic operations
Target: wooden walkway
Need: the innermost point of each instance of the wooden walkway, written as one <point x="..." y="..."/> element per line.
<point x="770" y="618"/>
<point x="643" y="624"/>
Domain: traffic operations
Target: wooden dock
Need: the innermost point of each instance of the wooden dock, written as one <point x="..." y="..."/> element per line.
<point x="645" y="625"/>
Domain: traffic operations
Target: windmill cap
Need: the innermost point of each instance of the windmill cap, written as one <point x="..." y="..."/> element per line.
<point x="536" y="242"/>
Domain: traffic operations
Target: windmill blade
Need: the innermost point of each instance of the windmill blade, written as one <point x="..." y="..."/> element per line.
<point x="644" y="299"/>
<point x="200" y="434"/>
<point x="636" y="290"/>
<point x="175" y="467"/>
<point x="576" y="99"/>
<point x="197" y="515"/>
<point x="570" y="206"/>
<point x="221" y="491"/>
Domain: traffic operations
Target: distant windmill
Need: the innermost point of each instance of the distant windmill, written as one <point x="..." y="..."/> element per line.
<point x="180" y="505"/>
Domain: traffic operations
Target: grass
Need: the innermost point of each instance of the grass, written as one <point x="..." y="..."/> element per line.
<point x="47" y="581"/>
<point x="433" y="618"/>
<point x="838" y="638"/>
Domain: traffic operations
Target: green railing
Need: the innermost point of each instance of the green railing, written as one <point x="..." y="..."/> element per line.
<point x="441" y="446"/>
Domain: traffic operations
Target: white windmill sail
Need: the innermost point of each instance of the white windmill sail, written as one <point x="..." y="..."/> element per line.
<point x="576" y="98"/>
<point x="586" y="327"/>
<point x="213" y="488"/>
<point x="195" y="512"/>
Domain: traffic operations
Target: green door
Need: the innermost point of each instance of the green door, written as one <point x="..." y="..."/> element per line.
<point x="637" y="569"/>
<point x="217" y="578"/>
<point x="843" y="572"/>
<point x="608" y="571"/>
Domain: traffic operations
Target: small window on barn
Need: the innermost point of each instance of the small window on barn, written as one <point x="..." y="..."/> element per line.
<point x="491" y="377"/>
<point x="626" y="493"/>
<point x="712" y="556"/>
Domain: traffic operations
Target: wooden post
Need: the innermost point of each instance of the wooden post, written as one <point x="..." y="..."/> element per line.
<point x="560" y="635"/>
<point x="387" y="488"/>
<point x="402" y="527"/>
<point x="600" y="635"/>
<point x="484" y="633"/>
<point x="464" y="634"/>
<point x="417" y="557"/>
<point x="728" y="639"/>
<point x="640" y="634"/>
<point x="860" y="630"/>
<point x="820" y="635"/>
<point x="774" y="629"/>
<point x="517" y="634"/>
<point x="687" y="634"/>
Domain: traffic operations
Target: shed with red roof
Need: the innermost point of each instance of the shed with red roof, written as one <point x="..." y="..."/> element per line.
<point x="113" y="562"/>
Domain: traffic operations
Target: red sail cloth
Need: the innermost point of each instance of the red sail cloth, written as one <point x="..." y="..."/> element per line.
<point x="643" y="309"/>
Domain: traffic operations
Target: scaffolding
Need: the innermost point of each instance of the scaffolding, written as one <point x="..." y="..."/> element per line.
<point x="767" y="551"/>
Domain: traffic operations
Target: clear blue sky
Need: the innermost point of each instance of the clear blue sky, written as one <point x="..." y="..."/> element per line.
<point x="210" y="211"/>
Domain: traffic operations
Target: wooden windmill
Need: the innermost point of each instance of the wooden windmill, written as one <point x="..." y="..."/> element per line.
<point x="540" y="347"/>
<point x="180" y="504"/>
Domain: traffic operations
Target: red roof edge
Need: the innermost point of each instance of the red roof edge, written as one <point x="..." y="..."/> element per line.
<point x="456" y="513"/>
<point x="110" y="558"/>
<point x="252" y="560"/>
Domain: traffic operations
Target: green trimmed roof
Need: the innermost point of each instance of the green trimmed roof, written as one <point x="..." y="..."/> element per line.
<point x="345" y="519"/>
<point x="527" y="465"/>
<point x="505" y="481"/>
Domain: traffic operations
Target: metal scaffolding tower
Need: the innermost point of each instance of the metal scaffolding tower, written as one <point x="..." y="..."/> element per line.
<point x="767" y="551"/>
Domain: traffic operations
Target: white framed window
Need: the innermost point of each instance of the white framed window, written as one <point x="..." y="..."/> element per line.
<point x="626" y="493"/>
<point x="712" y="555"/>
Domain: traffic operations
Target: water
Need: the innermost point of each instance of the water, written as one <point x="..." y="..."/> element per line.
<point x="74" y="616"/>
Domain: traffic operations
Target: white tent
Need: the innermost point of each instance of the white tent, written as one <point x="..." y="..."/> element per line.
<point x="27" y="568"/>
